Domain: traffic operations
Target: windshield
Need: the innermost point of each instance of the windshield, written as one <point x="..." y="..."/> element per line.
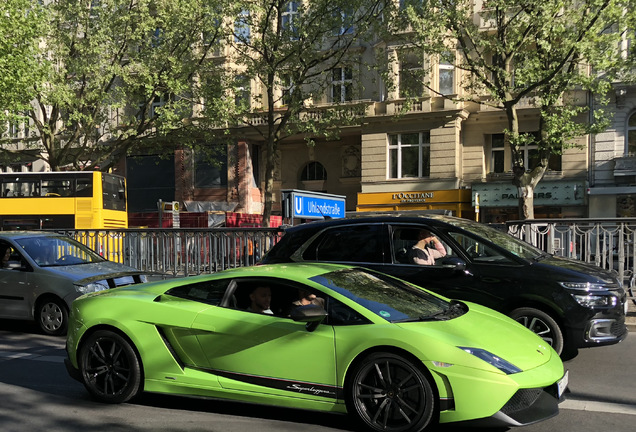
<point x="57" y="251"/>
<point x="499" y="238"/>
<point x="386" y="297"/>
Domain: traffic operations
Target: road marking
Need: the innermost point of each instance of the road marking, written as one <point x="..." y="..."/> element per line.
<point x="610" y="408"/>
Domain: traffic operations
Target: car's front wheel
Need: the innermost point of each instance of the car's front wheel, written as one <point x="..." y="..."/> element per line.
<point x="51" y="315"/>
<point x="542" y="324"/>
<point x="388" y="392"/>
<point x="109" y="367"/>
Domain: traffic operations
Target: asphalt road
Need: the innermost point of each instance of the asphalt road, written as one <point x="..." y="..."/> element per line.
<point x="37" y="394"/>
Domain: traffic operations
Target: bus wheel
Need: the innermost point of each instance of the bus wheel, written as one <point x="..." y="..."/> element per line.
<point x="52" y="316"/>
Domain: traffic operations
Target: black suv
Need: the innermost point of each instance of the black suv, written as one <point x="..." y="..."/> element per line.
<point x="569" y="303"/>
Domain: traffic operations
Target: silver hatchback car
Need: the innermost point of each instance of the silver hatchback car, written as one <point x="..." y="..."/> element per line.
<point x="42" y="273"/>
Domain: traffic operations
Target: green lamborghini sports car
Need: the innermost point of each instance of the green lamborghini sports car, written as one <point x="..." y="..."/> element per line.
<point x="315" y="336"/>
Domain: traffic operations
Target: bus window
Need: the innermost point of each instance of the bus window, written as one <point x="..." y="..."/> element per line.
<point x="21" y="188"/>
<point x="57" y="188"/>
<point x="114" y="191"/>
<point x="84" y="187"/>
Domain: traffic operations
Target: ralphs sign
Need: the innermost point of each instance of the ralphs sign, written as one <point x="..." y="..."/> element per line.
<point x="312" y="205"/>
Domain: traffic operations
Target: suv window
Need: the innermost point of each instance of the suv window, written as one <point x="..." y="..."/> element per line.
<point x="478" y="251"/>
<point x="357" y="243"/>
<point x="403" y="240"/>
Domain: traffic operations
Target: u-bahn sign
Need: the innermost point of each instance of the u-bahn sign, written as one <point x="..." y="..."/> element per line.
<point x="312" y="205"/>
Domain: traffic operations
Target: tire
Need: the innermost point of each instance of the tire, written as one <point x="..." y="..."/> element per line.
<point x="542" y="324"/>
<point x="109" y="367"/>
<point x="51" y="315"/>
<point x="387" y="392"/>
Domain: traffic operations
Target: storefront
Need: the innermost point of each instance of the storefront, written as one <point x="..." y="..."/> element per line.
<point x="457" y="201"/>
<point x="499" y="201"/>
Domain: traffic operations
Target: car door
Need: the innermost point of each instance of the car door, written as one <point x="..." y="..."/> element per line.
<point x="471" y="269"/>
<point x="267" y="353"/>
<point x="15" y="285"/>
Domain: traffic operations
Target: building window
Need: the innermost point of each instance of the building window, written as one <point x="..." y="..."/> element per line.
<point x="341" y="84"/>
<point x="210" y="173"/>
<point x="14" y="129"/>
<point x="530" y="155"/>
<point x="290" y="18"/>
<point x="446" y="76"/>
<point x="410" y="78"/>
<point x="154" y="109"/>
<point x="497" y="153"/>
<point x="410" y="155"/>
<point x="630" y="143"/>
<point x="313" y="171"/>
<point x="287" y="84"/>
<point x="242" y="92"/>
<point x="343" y="20"/>
<point x="157" y="38"/>
<point x="242" y="28"/>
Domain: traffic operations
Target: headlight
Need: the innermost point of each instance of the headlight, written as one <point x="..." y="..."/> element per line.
<point x="591" y="294"/>
<point x="91" y="287"/>
<point x="590" y="300"/>
<point x="501" y="364"/>
<point x="584" y="286"/>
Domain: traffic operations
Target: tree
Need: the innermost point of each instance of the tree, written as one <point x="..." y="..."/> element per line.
<point x="290" y="50"/>
<point x="120" y="79"/>
<point x="548" y="51"/>
<point x="21" y="29"/>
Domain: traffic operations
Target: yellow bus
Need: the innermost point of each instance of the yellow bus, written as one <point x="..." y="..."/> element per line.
<point x="62" y="200"/>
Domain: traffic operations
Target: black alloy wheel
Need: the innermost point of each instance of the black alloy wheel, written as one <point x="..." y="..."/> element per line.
<point x="542" y="324"/>
<point x="52" y="316"/>
<point x="109" y="367"/>
<point x="387" y="392"/>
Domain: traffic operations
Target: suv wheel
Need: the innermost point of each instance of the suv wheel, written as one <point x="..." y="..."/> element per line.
<point x="542" y="324"/>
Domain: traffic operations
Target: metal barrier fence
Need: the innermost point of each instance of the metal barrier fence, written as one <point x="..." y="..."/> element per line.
<point x="607" y="243"/>
<point x="181" y="252"/>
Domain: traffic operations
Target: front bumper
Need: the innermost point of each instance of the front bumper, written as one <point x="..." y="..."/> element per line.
<point x="526" y="406"/>
<point x="599" y="330"/>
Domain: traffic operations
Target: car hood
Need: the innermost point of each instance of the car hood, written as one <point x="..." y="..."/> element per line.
<point x="576" y="270"/>
<point x="484" y="328"/>
<point x="92" y="272"/>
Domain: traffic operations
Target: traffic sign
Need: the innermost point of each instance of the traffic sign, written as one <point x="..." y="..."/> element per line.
<point x="313" y="205"/>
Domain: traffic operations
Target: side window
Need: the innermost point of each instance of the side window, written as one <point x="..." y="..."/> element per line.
<point x="478" y="251"/>
<point x="210" y="292"/>
<point x="341" y="314"/>
<point x="271" y="297"/>
<point x="404" y="239"/>
<point x="8" y="256"/>
<point x="357" y="244"/>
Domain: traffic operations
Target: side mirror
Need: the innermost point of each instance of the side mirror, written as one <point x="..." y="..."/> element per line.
<point x="311" y="314"/>
<point x="458" y="264"/>
<point x="14" y="265"/>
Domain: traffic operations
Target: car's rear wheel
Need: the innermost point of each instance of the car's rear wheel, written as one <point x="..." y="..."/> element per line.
<point x="542" y="324"/>
<point x="388" y="392"/>
<point x="51" y="315"/>
<point x="109" y="367"/>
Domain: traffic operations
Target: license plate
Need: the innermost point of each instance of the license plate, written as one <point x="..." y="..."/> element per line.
<point x="562" y="384"/>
